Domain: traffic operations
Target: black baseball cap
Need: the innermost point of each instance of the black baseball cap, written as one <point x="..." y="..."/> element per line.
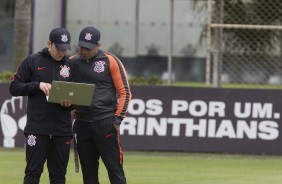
<point x="89" y="37"/>
<point x="61" y="38"/>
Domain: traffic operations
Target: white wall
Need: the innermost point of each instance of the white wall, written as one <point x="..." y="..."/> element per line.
<point x="117" y="22"/>
<point x="47" y="15"/>
<point x="114" y="19"/>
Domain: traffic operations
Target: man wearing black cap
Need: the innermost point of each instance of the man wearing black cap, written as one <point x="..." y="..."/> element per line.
<point x="97" y="126"/>
<point x="48" y="130"/>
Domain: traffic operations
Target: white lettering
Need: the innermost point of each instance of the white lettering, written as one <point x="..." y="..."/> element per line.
<point x="262" y="110"/>
<point x="136" y="107"/>
<point x="256" y="110"/>
<point x="176" y="122"/>
<point x="141" y="126"/>
<point x="154" y="107"/>
<point x="269" y="130"/>
<point x="216" y="108"/>
<point x="188" y="127"/>
<point x="201" y="128"/>
<point x="238" y="110"/>
<point x="159" y="128"/>
<point x="178" y="105"/>
<point x="198" y="108"/>
<point x="129" y="124"/>
<point x="250" y="130"/>
<point x="226" y="129"/>
<point x="211" y="128"/>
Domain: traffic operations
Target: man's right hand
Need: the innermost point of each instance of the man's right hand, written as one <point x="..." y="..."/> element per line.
<point x="45" y="87"/>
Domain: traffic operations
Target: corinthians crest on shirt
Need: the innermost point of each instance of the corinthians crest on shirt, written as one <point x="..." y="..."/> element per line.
<point x="99" y="66"/>
<point x="65" y="71"/>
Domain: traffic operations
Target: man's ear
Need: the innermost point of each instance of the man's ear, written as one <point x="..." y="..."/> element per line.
<point x="49" y="43"/>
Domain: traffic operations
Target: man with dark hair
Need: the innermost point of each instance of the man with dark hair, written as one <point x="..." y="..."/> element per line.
<point x="48" y="130"/>
<point x="97" y="126"/>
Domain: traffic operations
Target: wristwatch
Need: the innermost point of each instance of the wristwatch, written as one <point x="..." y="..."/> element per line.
<point x="117" y="120"/>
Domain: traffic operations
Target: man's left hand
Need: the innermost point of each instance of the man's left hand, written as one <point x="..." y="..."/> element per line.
<point x="65" y="103"/>
<point x="117" y="128"/>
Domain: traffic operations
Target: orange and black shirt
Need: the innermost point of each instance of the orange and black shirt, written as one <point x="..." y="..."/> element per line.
<point x="112" y="92"/>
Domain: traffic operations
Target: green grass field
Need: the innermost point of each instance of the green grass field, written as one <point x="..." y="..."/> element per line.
<point x="165" y="168"/>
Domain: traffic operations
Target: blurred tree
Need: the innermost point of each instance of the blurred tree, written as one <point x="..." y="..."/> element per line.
<point x="248" y="12"/>
<point x="252" y="12"/>
<point x="22" y="30"/>
<point x="116" y="49"/>
<point x="9" y="7"/>
<point x="262" y="43"/>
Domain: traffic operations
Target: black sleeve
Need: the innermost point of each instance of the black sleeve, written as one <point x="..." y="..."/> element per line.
<point x="75" y="76"/>
<point x="21" y="84"/>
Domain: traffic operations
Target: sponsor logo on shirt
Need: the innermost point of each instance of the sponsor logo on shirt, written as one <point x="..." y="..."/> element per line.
<point x="41" y="68"/>
<point x="108" y="135"/>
